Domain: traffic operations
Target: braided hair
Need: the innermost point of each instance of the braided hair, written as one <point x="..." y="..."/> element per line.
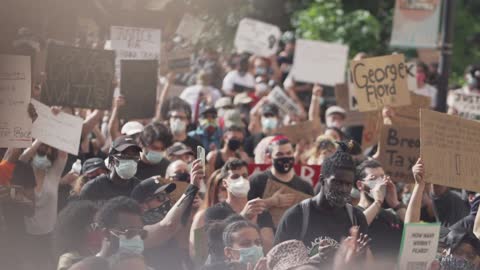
<point x="340" y="160"/>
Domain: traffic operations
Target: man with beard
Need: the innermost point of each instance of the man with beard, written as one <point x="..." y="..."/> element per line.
<point x="328" y="216"/>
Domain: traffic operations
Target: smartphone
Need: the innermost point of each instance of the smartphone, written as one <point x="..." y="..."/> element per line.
<point x="201" y="155"/>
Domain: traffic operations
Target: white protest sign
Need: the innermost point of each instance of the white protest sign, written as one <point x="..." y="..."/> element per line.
<point x="319" y="62"/>
<point x="61" y="131"/>
<point x="257" y="37"/>
<point x="283" y="101"/>
<point x="419" y="245"/>
<point x="466" y="105"/>
<point x="190" y="28"/>
<point x="411" y="76"/>
<point x="15" y="89"/>
<point x="134" y="43"/>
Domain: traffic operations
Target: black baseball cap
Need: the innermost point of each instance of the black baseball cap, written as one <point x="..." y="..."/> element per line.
<point x="210" y="110"/>
<point x="93" y="164"/>
<point x="178" y="149"/>
<point x="149" y="187"/>
<point x="124" y="142"/>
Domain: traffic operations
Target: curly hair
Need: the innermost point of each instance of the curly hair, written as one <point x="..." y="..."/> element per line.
<point x="367" y="164"/>
<point x="340" y="160"/>
<point x="107" y="216"/>
<point x="234" y="227"/>
<point x="156" y="132"/>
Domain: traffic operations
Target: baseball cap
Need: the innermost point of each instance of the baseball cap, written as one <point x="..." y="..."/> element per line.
<point x="232" y="118"/>
<point x="178" y="149"/>
<point x="93" y="164"/>
<point x="124" y="142"/>
<point x="149" y="187"/>
<point x="242" y="98"/>
<point x="206" y="110"/>
<point x="223" y="102"/>
<point x="132" y="128"/>
<point x="335" y="109"/>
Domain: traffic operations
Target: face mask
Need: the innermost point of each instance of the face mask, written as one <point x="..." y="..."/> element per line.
<point x="208" y="126"/>
<point x="337" y="198"/>
<point x="355" y="193"/>
<point x="239" y="188"/>
<point x="372" y="184"/>
<point x="156" y="215"/>
<point x="260" y="71"/>
<point x="183" y="177"/>
<point x="250" y="255"/>
<point x="126" y="169"/>
<point x="134" y="244"/>
<point x="234" y="144"/>
<point x="178" y="126"/>
<point x="154" y="156"/>
<point x="421" y="77"/>
<point x="41" y="162"/>
<point x="283" y="165"/>
<point x="406" y="197"/>
<point x="269" y="123"/>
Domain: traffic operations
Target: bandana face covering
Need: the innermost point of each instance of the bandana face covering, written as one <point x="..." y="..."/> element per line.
<point x="155" y="215"/>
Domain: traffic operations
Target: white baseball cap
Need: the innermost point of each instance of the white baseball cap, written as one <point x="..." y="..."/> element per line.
<point x="132" y="128"/>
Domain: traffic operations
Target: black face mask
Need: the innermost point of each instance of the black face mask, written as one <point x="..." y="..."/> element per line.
<point x="155" y="215"/>
<point x="337" y="198"/>
<point x="182" y="177"/>
<point x="283" y="165"/>
<point x="234" y="144"/>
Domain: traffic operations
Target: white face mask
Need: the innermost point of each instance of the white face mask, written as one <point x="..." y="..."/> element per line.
<point x="373" y="183"/>
<point x="239" y="187"/>
<point x="126" y="169"/>
<point x="41" y="162"/>
<point x="178" y="126"/>
<point x="134" y="244"/>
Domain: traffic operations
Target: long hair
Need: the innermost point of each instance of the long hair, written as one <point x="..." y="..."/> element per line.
<point x="213" y="186"/>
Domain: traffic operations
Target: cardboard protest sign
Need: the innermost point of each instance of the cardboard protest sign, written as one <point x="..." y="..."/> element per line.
<point x="411" y="76"/>
<point x="79" y="77"/>
<point x="416" y="24"/>
<point x="179" y="190"/>
<point x="319" y="62"/>
<point x="354" y="118"/>
<point x="341" y="95"/>
<point x="399" y="151"/>
<point x="283" y="101"/>
<point x="371" y="126"/>
<point x="466" y="105"/>
<point x="134" y="43"/>
<point x="62" y="131"/>
<point x="139" y="87"/>
<point x="257" y="37"/>
<point x="352" y="100"/>
<point x="419" y="245"/>
<point x="15" y="89"/>
<point x="307" y="131"/>
<point x="380" y="81"/>
<point x="309" y="173"/>
<point x="410" y="115"/>
<point x="274" y="186"/>
<point x="429" y="56"/>
<point x="449" y="149"/>
<point x="190" y="28"/>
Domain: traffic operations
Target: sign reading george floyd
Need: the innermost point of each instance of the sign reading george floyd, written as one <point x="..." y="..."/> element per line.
<point x="450" y="150"/>
<point x="380" y="81"/>
<point x="257" y="37"/>
<point x="139" y="87"/>
<point x="79" y="77"/>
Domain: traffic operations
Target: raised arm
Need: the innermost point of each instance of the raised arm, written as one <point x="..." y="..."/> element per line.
<point x="163" y="96"/>
<point x="414" y="206"/>
<point x="91" y="122"/>
<point x="30" y="152"/>
<point x="314" y="110"/>
<point x="114" y="122"/>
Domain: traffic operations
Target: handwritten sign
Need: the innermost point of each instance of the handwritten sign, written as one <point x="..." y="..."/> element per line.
<point x="380" y="81"/>
<point x="283" y="101"/>
<point x="410" y="115"/>
<point x="399" y="151"/>
<point x="257" y="37"/>
<point x="139" y="87"/>
<point x="419" y="245"/>
<point x="371" y="126"/>
<point x="190" y="28"/>
<point x="450" y="150"/>
<point x="274" y="186"/>
<point x="411" y="76"/>
<point x="60" y="131"/>
<point x="319" y="62"/>
<point x="310" y="130"/>
<point x="466" y="105"/>
<point x="134" y="43"/>
<point x="15" y="89"/>
<point x="416" y="24"/>
<point x="309" y="173"/>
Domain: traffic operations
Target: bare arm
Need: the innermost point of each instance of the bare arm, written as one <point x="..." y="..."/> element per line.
<point x="255" y="117"/>
<point x="314" y="110"/>
<point x="12" y="154"/>
<point x="414" y="206"/>
<point x="277" y="73"/>
<point x="198" y="223"/>
<point x="91" y="122"/>
<point x="163" y="96"/>
<point x="99" y="138"/>
<point x="30" y="152"/>
<point x="267" y="239"/>
<point x="114" y="122"/>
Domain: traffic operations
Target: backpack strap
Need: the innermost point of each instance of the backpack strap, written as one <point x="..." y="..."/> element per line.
<point x="351" y="216"/>
<point x="305" y="204"/>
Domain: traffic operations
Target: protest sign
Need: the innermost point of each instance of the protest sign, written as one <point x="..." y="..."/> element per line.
<point x="449" y="149"/>
<point x="309" y="173"/>
<point x="380" y="81"/>
<point x="274" y="186"/>
<point x="179" y="189"/>
<point x="283" y="101"/>
<point x="139" y="87"/>
<point x="352" y="100"/>
<point x="15" y="89"/>
<point x="411" y="76"/>
<point x="190" y="28"/>
<point x="179" y="60"/>
<point x="134" y="43"/>
<point x="419" y="245"/>
<point x="410" y="115"/>
<point x="399" y="150"/>
<point x="371" y="126"/>
<point x="79" y="77"/>
<point x="257" y="37"/>
<point x="465" y="105"/>
<point x="62" y="131"/>
<point x="416" y="24"/>
<point x="307" y="131"/>
<point x="319" y="62"/>
<point x="429" y="56"/>
<point x="342" y="96"/>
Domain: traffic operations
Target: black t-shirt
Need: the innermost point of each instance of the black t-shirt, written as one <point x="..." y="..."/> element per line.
<point x="450" y="208"/>
<point x="323" y="223"/>
<point x="166" y="257"/>
<point x="258" y="182"/>
<point x="386" y="234"/>
<point x="251" y="142"/>
<point x="192" y="143"/>
<point x="215" y="212"/>
<point x="103" y="189"/>
<point x="145" y="170"/>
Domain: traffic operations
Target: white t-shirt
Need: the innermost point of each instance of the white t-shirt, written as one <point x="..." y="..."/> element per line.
<point x="233" y="77"/>
<point x="429" y="91"/>
<point x="45" y="216"/>
<point x="191" y="93"/>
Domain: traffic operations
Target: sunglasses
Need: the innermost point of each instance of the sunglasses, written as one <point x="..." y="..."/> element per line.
<point x="161" y="197"/>
<point x="130" y="232"/>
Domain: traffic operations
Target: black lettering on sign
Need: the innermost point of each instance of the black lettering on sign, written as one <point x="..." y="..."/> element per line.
<point x="79" y="77"/>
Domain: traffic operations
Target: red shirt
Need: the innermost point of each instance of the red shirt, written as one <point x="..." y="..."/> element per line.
<point x="6" y="172"/>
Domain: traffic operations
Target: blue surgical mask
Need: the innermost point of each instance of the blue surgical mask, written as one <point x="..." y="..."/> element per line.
<point x="134" y="244"/>
<point x="41" y="162"/>
<point x="177" y="126"/>
<point x="251" y="254"/>
<point x="126" y="169"/>
<point x="154" y="157"/>
<point x="269" y="123"/>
